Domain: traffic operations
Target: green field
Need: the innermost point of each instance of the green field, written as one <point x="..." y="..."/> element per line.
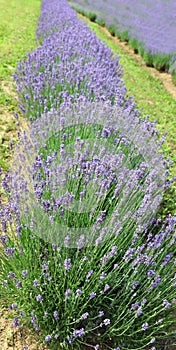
<point x="18" y="20"/>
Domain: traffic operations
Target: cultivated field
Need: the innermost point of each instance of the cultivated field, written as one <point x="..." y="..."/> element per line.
<point x="148" y="27"/>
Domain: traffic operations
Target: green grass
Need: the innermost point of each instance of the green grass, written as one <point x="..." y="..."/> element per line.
<point x="18" y="20"/>
<point x="174" y="77"/>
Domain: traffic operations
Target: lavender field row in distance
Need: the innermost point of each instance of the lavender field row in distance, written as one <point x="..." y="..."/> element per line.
<point x="149" y="27"/>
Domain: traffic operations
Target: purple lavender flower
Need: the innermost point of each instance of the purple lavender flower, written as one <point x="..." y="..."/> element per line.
<point x="66" y="241"/>
<point x="79" y="333"/>
<point x="4" y="283"/>
<point x="92" y="295"/>
<point x="135" y="284"/>
<point x="116" y="266"/>
<point x="166" y="304"/>
<point x="67" y="264"/>
<point x="24" y="273"/>
<point x="56" y="315"/>
<point x="22" y="314"/>
<point x="10" y="252"/>
<point x="13" y="306"/>
<point x="143" y="302"/>
<point x="151" y="273"/>
<point x="135" y="306"/>
<point x="103" y="275"/>
<point x="160" y="320"/>
<point x="48" y="338"/>
<point x="70" y="340"/>
<point x="15" y="322"/>
<point x="62" y="212"/>
<point x="106" y="287"/>
<point x="11" y="275"/>
<point x="68" y="293"/>
<point x="89" y="274"/>
<point x="139" y="311"/>
<point x="3" y="238"/>
<point x="85" y="315"/>
<point x="39" y="298"/>
<point x="106" y="321"/>
<point x="166" y="259"/>
<point x="101" y="313"/>
<point x="78" y="292"/>
<point x="81" y="242"/>
<point x="145" y="326"/>
<point x="18" y="283"/>
<point x="34" y="320"/>
<point x="45" y="267"/>
<point x="96" y="347"/>
<point x="36" y="283"/>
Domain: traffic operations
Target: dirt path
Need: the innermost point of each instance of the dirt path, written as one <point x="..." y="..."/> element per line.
<point x="15" y="338"/>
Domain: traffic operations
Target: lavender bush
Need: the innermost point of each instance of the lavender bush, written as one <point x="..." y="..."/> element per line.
<point x="148" y="26"/>
<point x="108" y="282"/>
<point x="82" y="152"/>
<point x="118" y="295"/>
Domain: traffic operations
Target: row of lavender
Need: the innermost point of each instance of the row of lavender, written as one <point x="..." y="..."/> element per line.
<point x="148" y="26"/>
<point x="67" y="65"/>
<point x="83" y="260"/>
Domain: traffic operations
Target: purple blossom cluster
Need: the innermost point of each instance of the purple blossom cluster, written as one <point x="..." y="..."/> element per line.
<point x="152" y="23"/>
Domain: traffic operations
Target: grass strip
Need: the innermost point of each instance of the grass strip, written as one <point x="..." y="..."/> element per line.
<point x="17" y="36"/>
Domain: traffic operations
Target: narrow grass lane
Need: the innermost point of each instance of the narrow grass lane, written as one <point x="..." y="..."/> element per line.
<point x="17" y="36"/>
